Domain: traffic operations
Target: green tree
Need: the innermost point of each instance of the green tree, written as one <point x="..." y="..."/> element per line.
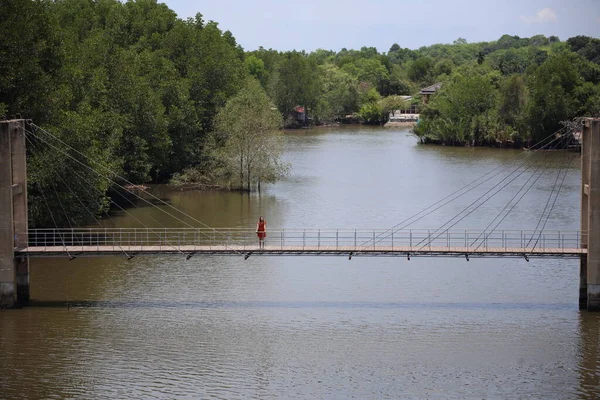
<point x="295" y="82"/>
<point x="461" y="112"/>
<point x="552" y="86"/>
<point x="256" y="68"/>
<point x="339" y="93"/>
<point x="512" y="104"/>
<point x="247" y="141"/>
<point x="419" y="71"/>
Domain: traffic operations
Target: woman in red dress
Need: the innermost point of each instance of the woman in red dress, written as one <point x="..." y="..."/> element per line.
<point x="261" y="231"/>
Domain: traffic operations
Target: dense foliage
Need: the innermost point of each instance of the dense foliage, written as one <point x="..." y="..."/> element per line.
<point x="137" y="91"/>
<point x="129" y="85"/>
<point x="515" y="92"/>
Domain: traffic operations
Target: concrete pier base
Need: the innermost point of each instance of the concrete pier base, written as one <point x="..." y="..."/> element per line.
<point x="8" y="294"/>
<point x="22" y="267"/>
<point x="593" y="300"/>
<point x="583" y="290"/>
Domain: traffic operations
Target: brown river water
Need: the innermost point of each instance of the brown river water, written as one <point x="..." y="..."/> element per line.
<point x="164" y="327"/>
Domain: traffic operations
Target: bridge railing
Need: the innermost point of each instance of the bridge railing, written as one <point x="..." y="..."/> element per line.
<point x="333" y="239"/>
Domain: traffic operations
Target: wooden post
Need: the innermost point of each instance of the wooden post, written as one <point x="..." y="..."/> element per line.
<point x="14" y="273"/>
<point x="590" y="209"/>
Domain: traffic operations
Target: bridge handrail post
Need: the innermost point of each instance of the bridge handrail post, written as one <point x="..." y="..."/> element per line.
<point x="282" y="239"/>
<point x="337" y="239"/>
<point x="485" y="240"/>
<point x="448" y="238"/>
<point x="543" y="240"/>
<point x="319" y="239"/>
<point x="429" y="236"/>
<point x="392" y="240"/>
<point x="355" y="239"/>
<point x="466" y="240"/>
<point x="303" y="239"/>
<point x="373" y="239"/>
<point x="522" y="242"/>
<point x="410" y="238"/>
<point x="562" y="240"/>
<point x="504" y="239"/>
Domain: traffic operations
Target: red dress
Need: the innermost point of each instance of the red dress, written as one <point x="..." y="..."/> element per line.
<point x="262" y="229"/>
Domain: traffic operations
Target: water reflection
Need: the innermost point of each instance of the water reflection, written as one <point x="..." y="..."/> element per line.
<point x="589" y="353"/>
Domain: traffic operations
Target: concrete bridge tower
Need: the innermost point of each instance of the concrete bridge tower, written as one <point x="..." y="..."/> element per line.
<point x="14" y="272"/>
<point x="589" y="288"/>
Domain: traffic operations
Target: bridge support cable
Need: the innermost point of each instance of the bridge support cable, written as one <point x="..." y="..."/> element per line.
<point x="60" y="235"/>
<point x="523" y="190"/>
<point x="37" y="128"/>
<point x="494" y="191"/>
<point x="515" y="170"/>
<point x="78" y="198"/>
<point x="151" y="230"/>
<point x="553" y="203"/>
<point x="545" y="209"/>
<point x="486" y="236"/>
<point x="467" y="188"/>
<point x="486" y="232"/>
<point x="133" y="193"/>
<point x="60" y="203"/>
<point x="557" y="138"/>
<point x="75" y="173"/>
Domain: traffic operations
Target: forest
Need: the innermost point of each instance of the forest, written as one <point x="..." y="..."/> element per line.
<point x="150" y="96"/>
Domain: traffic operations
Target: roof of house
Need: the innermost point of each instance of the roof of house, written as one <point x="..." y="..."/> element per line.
<point x="431" y="89"/>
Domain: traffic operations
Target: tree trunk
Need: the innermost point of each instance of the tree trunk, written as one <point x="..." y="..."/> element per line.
<point x="259" y="185"/>
<point x="248" y="171"/>
<point x="242" y="171"/>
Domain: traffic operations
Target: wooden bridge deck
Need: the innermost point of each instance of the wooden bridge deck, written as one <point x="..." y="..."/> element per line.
<point x="244" y="250"/>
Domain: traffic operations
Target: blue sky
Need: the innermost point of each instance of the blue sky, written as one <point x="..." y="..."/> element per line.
<point x="329" y="24"/>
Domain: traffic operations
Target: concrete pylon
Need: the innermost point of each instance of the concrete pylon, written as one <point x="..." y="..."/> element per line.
<point x="14" y="272"/>
<point x="589" y="289"/>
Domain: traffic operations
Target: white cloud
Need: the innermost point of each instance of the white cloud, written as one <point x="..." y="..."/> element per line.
<point x="544" y="15"/>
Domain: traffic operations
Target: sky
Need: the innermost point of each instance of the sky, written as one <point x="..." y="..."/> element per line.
<point x="332" y="25"/>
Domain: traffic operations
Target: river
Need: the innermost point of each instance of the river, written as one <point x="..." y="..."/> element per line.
<point x="319" y="327"/>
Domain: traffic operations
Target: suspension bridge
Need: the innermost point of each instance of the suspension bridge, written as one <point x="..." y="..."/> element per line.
<point x="18" y="243"/>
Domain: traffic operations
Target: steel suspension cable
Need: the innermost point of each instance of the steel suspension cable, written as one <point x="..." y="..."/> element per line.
<point x="77" y="197"/>
<point x="553" y="203"/>
<point x="151" y="230"/>
<point x="525" y="185"/>
<point x="497" y="190"/>
<point x="546" y="205"/>
<point x="135" y="194"/>
<point x="62" y="239"/>
<point x="511" y="208"/>
<point x="428" y="210"/>
<point x="515" y="170"/>
<point x="130" y="183"/>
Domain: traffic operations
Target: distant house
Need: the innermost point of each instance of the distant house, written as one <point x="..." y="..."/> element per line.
<point x="411" y="113"/>
<point x="428" y="91"/>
